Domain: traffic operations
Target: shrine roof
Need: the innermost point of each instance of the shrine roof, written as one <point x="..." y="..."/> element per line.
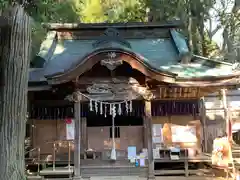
<point x="200" y="67"/>
<point x="161" y="52"/>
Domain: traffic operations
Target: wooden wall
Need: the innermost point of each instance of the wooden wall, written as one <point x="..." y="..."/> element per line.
<point x="98" y="138"/>
<point x="45" y="132"/>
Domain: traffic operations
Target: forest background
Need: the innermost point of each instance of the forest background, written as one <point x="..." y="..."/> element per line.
<point x="212" y="27"/>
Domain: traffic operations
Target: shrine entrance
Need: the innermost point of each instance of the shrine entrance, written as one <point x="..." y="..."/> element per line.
<point x="128" y="131"/>
<point x="104" y="69"/>
<point x="113" y="95"/>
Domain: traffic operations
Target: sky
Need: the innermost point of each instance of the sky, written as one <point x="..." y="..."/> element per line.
<point x="215" y="22"/>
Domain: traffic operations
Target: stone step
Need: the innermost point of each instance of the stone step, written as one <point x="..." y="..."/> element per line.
<point x="94" y="172"/>
<point x="116" y="178"/>
<point x="34" y="177"/>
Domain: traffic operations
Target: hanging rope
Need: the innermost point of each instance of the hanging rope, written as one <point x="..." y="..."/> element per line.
<point x="114" y="108"/>
<point x="104" y="102"/>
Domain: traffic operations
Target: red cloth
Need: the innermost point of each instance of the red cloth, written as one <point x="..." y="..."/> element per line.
<point x="68" y="121"/>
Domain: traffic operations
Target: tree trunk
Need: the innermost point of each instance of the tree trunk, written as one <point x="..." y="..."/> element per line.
<point x="14" y="63"/>
<point x="190" y="37"/>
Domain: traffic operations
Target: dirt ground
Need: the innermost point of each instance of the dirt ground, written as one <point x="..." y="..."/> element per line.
<point x="162" y="178"/>
<point x="189" y="178"/>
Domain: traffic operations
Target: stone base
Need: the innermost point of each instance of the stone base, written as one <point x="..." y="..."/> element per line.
<point x="115" y="178"/>
<point x="151" y="177"/>
<point x="34" y="178"/>
<point x="77" y="178"/>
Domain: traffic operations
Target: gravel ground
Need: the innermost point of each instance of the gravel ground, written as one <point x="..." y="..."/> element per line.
<point x="157" y="178"/>
<point x="190" y="178"/>
<point x="162" y="178"/>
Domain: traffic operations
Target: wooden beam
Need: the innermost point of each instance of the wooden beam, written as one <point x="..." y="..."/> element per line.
<point x="176" y="92"/>
<point x="51" y="103"/>
<point x="105" y="80"/>
<point x="39" y="88"/>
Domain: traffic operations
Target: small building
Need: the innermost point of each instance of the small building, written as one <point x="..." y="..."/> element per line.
<point x="215" y="114"/>
<point x="131" y="87"/>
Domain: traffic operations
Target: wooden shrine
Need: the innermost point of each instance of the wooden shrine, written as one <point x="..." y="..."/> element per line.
<point x="111" y="84"/>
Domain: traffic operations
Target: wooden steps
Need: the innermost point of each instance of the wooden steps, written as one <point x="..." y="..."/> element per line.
<point x="59" y="172"/>
<point x="97" y="168"/>
<point x="116" y="178"/>
<point x="114" y="171"/>
<point x="34" y="177"/>
<point x="96" y="172"/>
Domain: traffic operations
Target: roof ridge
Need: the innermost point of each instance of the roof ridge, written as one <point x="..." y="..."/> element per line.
<point x="75" y="26"/>
<point x="213" y="60"/>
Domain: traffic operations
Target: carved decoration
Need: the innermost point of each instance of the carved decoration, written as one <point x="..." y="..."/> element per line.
<point x="99" y="89"/>
<point x="111" y="62"/>
<point x="111" y="35"/>
<point x="123" y="91"/>
<point x="74" y="97"/>
<point x="143" y="91"/>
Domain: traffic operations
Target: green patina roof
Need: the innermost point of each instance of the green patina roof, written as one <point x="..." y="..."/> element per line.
<point x="162" y="54"/>
<point x="200" y="68"/>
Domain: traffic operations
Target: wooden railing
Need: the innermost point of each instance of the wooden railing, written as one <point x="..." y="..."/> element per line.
<point x="37" y="160"/>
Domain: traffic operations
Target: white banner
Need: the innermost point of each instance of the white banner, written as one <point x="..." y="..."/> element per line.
<point x="70" y="130"/>
<point x="184" y="134"/>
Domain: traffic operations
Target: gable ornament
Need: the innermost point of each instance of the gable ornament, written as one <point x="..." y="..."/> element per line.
<point x="111" y="62"/>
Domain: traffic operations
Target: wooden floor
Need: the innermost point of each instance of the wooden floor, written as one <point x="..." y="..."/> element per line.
<point x="97" y="163"/>
<point x="107" y="165"/>
<point x="57" y="171"/>
<point x="199" y="158"/>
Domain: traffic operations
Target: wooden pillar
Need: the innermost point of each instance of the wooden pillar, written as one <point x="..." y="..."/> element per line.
<point x="84" y="141"/>
<point x="204" y="127"/>
<point x="77" y="140"/>
<point x="148" y="122"/>
<point x="226" y="114"/>
<point x="145" y="133"/>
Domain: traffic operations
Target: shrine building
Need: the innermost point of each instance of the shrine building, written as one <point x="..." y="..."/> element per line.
<point x="106" y="96"/>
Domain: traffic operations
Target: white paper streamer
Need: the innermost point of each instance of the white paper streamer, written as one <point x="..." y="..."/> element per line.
<point x="126" y="106"/>
<point x="119" y="109"/>
<point x="101" y="108"/>
<point x="91" y="105"/>
<point x="96" y="106"/>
